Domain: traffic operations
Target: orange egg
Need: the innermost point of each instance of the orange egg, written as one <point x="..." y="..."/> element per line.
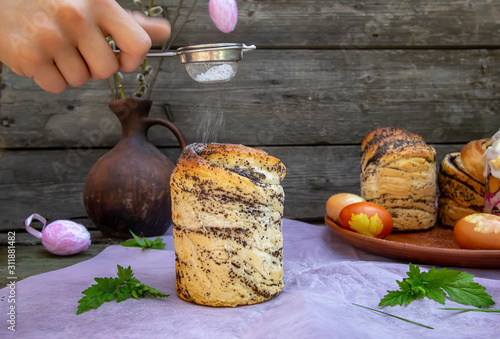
<point x="478" y="231"/>
<point x="337" y="202"/>
<point x="366" y="218"/>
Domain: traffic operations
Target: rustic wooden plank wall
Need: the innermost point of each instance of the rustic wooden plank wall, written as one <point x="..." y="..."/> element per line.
<point x="324" y="74"/>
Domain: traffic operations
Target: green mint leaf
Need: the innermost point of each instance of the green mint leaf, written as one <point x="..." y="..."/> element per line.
<point x="97" y="294"/>
<point x="124" y="274"/>
<point x="144" y="243"/>
<point x="122" y="293"/>
<point x="159" y="244"/>
<point x="155" y="293"/>
<point x="434" y="293"/>
<point x="435" y="284"/>
<point x="139" y="241"/>
<point x="394" y="298"/>
<point x="136" y="242"/>
<point x="413" y="290"/>
<point x="130" y="243"/>
<point x="133" y="281"/>
<point x="444" y="277"/>
<point x="459" y="286"/>
<point x="473" y="294"/>
<point x="122" y="288"/>
<point x="414" y="274"/>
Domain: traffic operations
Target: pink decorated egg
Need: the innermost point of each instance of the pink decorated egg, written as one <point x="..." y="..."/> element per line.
<point x="224" y="14"/>
<point x="61" y="237"/>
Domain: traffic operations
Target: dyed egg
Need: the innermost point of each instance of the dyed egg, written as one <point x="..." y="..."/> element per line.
<point x="478" y="231"/>
<point x="338" y="201"/>
<point x="224" y="14"/>
<point x="61" y="237"/>
<point x="367" y="218"/>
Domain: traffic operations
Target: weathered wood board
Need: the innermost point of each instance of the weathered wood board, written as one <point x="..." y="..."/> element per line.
<point x="50" y="182"/>
<point x="280" y="98"/>
<point x="347" y="23"/>
<point x="324" y="74"/>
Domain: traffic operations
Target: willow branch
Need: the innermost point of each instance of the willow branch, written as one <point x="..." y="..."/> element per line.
<point x="167" y="44"/>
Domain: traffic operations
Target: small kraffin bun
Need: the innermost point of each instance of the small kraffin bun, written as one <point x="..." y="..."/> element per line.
<point x="460" y="193"/>
<point x="398" y="172"/>
<point x="472" y="155"/>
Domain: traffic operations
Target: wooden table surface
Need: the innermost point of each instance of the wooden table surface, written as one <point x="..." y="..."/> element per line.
<point x="32" y="258"/>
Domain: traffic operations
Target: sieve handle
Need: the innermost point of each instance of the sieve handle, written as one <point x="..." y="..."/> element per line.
<point x="154" y="54"/>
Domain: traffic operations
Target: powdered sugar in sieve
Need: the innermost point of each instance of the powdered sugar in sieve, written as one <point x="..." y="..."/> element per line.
<point x="209" y="72"/>
<point x="208" y="63"/>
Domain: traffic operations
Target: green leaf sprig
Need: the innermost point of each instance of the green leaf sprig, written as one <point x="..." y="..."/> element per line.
<point x="435" y="284"/>
<point x="145" y="243"/>
<point x="123" y="287"/>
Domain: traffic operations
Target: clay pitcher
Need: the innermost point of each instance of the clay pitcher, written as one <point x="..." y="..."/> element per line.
<point x="128" y="188"/>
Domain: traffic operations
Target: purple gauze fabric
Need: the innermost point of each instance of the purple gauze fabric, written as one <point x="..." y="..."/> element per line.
<point x="323" y="276"/>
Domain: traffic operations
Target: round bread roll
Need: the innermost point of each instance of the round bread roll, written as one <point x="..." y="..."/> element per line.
<point x="472" y="156"/>
<point x="450" y="211"/>
<point x="460" y="193"/>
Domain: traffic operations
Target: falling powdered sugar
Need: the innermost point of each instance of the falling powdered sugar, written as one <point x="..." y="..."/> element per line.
<point x="211" y="121"/>
<point x="222" y="72"/>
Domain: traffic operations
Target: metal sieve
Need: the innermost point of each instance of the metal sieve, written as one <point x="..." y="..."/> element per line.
<point x="209" y="63"/>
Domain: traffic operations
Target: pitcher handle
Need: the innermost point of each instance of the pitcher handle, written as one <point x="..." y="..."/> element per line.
<point x="171" y="126"/>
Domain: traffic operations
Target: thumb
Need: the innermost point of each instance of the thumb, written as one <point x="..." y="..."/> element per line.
<point x="158" y="29"/>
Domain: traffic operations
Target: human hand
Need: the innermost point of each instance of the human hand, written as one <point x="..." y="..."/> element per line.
<point x="63" y="42"/>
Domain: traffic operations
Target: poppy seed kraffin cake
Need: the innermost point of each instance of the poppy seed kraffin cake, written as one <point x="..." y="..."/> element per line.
<point x="227" y="211"/>
<point x="461" y="183"/>
<point x="398" y="172"/>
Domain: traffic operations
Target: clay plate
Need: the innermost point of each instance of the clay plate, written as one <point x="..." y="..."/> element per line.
<point x="435" y="246"/>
